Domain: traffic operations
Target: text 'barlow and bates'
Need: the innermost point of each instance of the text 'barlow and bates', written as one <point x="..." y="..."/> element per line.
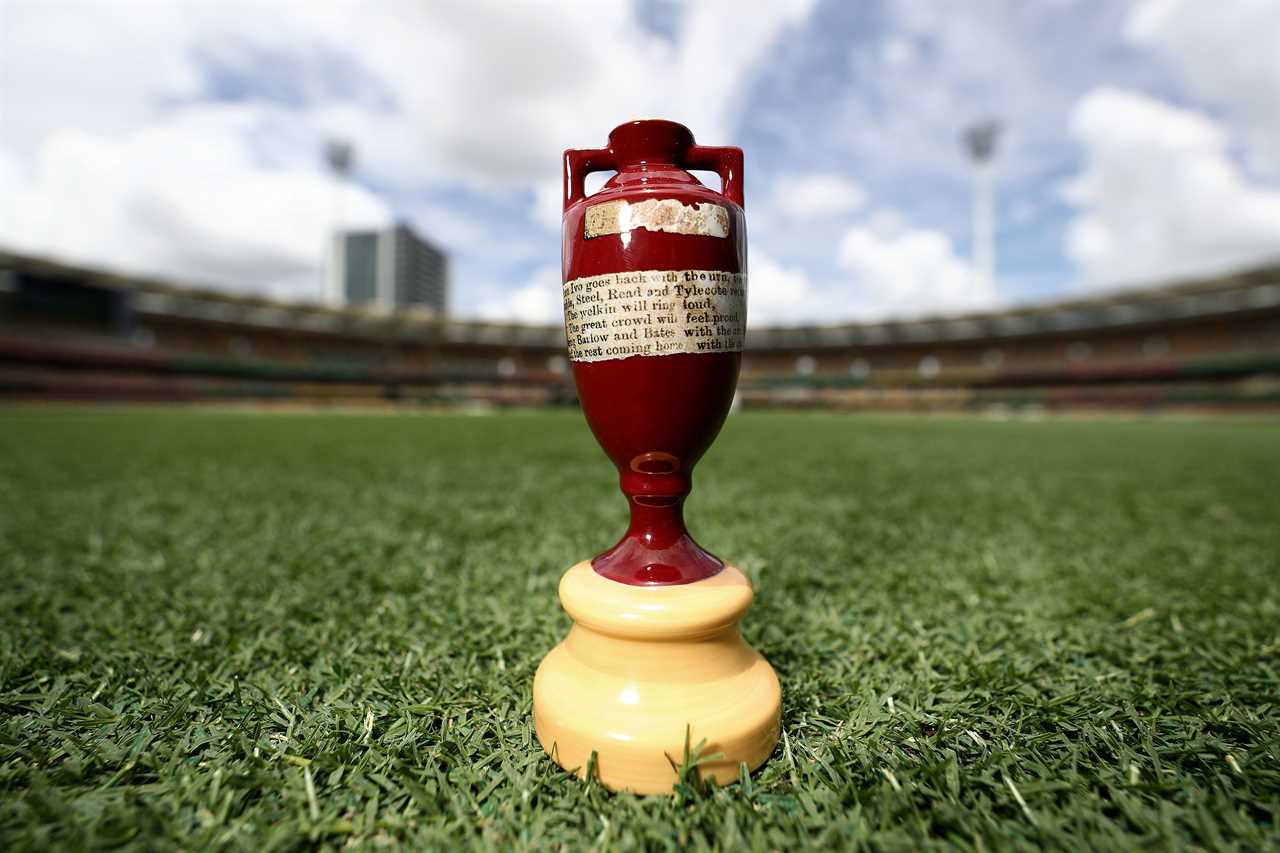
<point x="655" y="312"/>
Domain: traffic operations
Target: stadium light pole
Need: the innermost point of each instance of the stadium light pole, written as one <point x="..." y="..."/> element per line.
<point x="339" y="156"/>
<point x="979" y="141"/>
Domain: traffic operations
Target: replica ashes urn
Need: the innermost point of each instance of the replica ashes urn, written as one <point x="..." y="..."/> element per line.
<point x="655" y="302"/>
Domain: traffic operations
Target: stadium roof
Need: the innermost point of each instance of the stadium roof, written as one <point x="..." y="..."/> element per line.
<point x="1253" y="290"/>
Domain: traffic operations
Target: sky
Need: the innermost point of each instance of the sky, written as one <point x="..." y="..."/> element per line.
<point x="1141" y="141"/>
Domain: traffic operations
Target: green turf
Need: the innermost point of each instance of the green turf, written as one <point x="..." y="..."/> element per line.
<point x="280" y="631"/>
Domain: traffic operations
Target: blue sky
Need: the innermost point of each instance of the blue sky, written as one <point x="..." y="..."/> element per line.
<point x="1140" y="139"/>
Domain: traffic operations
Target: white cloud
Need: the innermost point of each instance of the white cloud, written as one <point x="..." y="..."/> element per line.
<point x="509" y="86"/>
<point x="114" y="149"/>
<point x="897" y="271"/>
<point x="548" y="204"/>
<point x="898" y="51"/>
<point x="93" y="67"/>
<point x="183" y="197"/>
<point x="1229" y="54"/>
<point x="778" y="294"/>
<point x="944" y="65"/>
<point x="817" y="195"/>
<point x="889" y="270"/>
<point x="481" y="93"/>
<point x="700" y="81"/>
<point x="1160" y="195"/>
<point x="447" y="226"/>
<point x="538" y="300"/>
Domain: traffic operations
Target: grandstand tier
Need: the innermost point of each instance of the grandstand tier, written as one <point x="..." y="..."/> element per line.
<point x="77" y="333"/>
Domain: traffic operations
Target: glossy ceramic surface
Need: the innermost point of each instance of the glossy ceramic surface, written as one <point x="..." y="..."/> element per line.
<point x="654" y="654"/>
<point x="655" y="416"/>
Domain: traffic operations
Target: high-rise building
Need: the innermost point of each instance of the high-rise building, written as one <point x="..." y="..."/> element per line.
<point x="391" y="269"/>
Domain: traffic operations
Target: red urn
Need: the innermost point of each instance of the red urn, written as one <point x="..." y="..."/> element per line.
<point x="655" y="312"/>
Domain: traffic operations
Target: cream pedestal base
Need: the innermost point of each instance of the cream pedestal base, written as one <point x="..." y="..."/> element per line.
<point x="643" y="664"/>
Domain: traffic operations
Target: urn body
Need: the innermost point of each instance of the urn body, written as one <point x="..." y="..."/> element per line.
<point x="655" y="301"/>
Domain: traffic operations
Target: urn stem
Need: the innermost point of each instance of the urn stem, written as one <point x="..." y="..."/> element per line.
<point x="657" y="548"/>
<point x="657" y="522"/>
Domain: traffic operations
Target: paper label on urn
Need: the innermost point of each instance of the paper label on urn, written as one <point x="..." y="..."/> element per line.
<point x="655" y="312"/>
<point x="656" y="214"/>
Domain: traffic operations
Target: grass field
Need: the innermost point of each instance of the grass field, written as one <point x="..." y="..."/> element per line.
<point x="279" y="631"/>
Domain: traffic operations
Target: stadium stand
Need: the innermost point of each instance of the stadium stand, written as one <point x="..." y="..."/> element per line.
<point x="73" y="333"/>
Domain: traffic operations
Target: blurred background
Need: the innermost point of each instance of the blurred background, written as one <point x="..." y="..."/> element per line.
<point x="983" y="206"/>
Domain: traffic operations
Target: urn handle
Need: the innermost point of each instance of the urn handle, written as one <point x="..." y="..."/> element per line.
<point x="725" y="161"/>
<point x="580" y="162"/>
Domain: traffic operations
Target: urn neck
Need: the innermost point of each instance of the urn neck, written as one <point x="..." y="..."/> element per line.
<point x="650" y="141"/>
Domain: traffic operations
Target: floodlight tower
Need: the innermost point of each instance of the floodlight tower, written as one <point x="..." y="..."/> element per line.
<point x="339" y="155"/>
<point x="979" y="141"/>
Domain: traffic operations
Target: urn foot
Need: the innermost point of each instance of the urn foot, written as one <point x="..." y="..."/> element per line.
<point x="644" y="664"/>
